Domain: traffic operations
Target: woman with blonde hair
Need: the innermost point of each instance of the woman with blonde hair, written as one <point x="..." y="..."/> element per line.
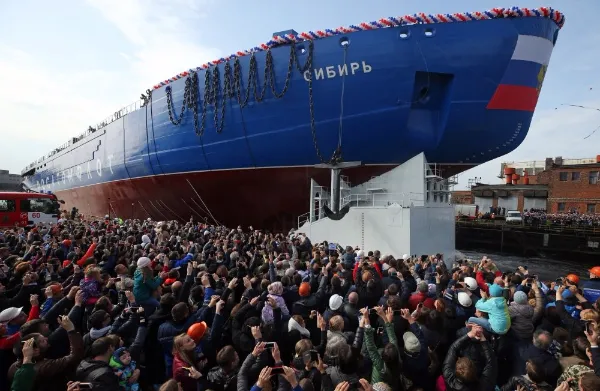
<point x="186" y="369"/>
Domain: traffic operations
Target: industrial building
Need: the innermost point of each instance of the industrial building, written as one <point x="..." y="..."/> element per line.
<point x="556" y="185"/>
<point x="10" y="182"/>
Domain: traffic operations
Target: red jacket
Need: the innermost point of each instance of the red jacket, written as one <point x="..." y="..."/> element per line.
<point x="419" y="297"/>
<point x="481" y="281"/>
<point x="88" y="254"/>
<point x="8" y="342"/>
<point x="355" y="271"/>
<point x="182" y="375"/>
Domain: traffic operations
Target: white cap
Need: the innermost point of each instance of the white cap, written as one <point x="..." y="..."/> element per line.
<point x="464" y="299"/>
<point x="335" y="302"/>
<point x="405" y="257"/>
<point x="471" y="283"/>
<point x="143" y="262"/>
<point x="10" y="313"/>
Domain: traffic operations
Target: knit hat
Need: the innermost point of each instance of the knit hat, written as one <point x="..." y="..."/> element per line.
<point x="335" y="302"/>
<point x="411" y="343"/>
<point x="118" y="353"/>
<point x="55" y="288"/>
<point x="143" y="262"/>
<point x="304" y="289"/>
<point x="275" y="288"/>
<point x="520" y="297"/>
<point x="464" y="299"/>
<point x="471" y="283"/>
<point x="496" y="290"/>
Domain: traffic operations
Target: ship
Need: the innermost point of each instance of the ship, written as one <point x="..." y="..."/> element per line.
<point x="238" y="140"/>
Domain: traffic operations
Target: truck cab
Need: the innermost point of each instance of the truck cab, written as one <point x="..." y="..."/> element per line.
<point x="514" y="217"/>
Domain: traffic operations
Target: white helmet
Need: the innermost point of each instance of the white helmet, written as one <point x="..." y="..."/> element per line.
<point x="471" y="283"/>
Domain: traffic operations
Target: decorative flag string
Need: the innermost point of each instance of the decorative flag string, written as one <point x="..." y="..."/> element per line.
<point x="420" y="18"/>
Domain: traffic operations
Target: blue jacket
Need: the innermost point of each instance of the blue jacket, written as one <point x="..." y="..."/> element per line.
<point x="497" y="311"/>
<point x="183" y="261"/>
<point x="591" y="290"/>
<point x="142" y="290"/>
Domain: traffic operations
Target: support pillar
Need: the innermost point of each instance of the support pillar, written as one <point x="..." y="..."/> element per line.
<point x="336" y="170"/>
<point x="312" y="201"/>
<point x="335" y="189"/>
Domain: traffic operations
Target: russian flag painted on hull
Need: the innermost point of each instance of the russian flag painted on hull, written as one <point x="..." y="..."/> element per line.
<point x="521" y="84"/>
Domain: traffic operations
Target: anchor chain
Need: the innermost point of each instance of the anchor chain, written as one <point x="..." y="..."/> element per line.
<point x="233" y="88"/>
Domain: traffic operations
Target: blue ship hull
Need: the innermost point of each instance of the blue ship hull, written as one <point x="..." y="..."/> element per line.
<point x="402" y="91"/>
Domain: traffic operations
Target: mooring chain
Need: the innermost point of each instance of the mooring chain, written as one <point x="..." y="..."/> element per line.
<point x="233" y="88"/>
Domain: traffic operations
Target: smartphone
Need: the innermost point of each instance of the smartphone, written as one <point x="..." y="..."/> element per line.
<point x="589" y="327"/>
<point x="394" y="274"/>
<point x="118" y="279"/>
<point x="372" y="311"/>
<point x="419" y="306"/>
<point x="85" y="386"/>
<point x="314" y="356"/>
<point x="34" y="344"/>
<point x="269" y="345"/>
<point x="277" y="371"/>
<point x="379" y="330"/>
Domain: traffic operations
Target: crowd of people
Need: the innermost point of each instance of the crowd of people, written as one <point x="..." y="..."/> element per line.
<point x="572" y="219"/>
<point x="141" y="305"/>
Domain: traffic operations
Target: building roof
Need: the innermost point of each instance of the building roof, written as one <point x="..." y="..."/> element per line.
<point x="575" y="166"/>
<point x="509" y="187"/>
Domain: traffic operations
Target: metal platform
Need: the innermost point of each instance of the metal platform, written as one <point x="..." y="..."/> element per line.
<point x="404" y="211"/>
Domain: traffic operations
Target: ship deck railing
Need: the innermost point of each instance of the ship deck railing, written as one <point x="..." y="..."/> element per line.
<point x="376" y="199"/>
<point x="542" y="227"/>
<point x="367" y="200"/>
<point x="91" y="130"/>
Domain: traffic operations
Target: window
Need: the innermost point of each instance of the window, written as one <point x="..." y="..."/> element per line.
<point x="575" y="176"/>
<point x="8" y="206"/>
<point x="42" y="205"/>
<point x="591" y="208"/>
<point x="593" y="176"/>
<point x="561" y="206"/>
<point x="563" y="176"/>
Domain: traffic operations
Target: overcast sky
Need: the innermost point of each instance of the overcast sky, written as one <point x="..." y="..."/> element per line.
<point x="67" y="64"/>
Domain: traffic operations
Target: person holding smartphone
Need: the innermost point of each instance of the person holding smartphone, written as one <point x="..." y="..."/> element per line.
<point x="51" y="374"/>
<point x="25" y="375"/>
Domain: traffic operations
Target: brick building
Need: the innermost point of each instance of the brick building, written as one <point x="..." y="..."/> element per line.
<point x="462" y="197"/>
<point x="574" y="187"/>
<point x="572" y="184"/>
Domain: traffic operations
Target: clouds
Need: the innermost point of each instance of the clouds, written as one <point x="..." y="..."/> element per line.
<point x="164" y="34"/>
<point x="44" y="104"/>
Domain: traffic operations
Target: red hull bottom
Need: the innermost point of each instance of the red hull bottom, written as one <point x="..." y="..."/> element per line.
<point x="269" y="198"/>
